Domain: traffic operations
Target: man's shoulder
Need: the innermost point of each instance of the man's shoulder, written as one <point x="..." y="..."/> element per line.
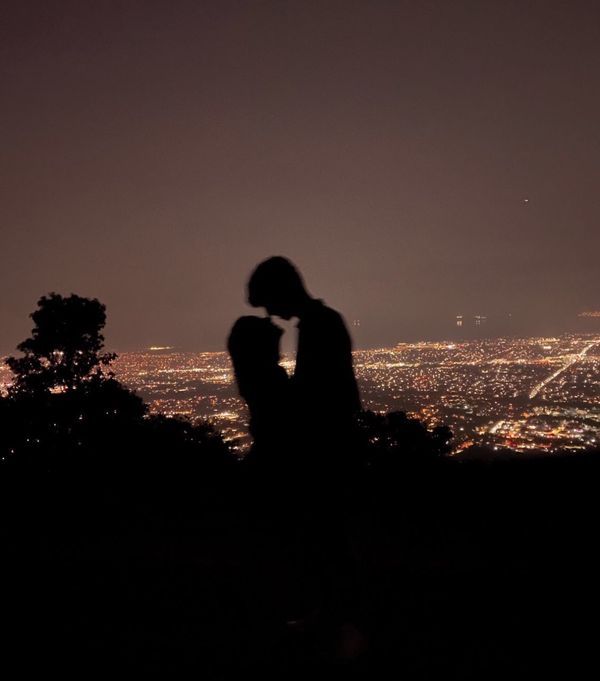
<point x="323" y="313"/>
<point x="325" y="321"/>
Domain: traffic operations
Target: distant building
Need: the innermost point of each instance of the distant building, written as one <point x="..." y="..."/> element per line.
<point x="459" y="320"/>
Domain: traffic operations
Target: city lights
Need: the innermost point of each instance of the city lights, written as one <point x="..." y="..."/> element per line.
<point x="527" y="394"/>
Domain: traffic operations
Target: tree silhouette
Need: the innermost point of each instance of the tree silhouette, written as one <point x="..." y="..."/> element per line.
<point x="396" y="438"/>
<point x="65" y="347"/>
<point x="65" y="410"/>
<point x="64" y="400"/>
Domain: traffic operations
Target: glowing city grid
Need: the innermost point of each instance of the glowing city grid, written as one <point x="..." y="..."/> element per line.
<point x="523" y="394"/>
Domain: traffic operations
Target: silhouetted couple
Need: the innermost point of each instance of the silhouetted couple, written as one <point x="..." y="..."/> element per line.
<point x="303" y="430"/>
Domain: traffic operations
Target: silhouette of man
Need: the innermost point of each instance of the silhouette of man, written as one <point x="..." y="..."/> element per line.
<point x="325" y="401"/>
<point x="324" y="386"/>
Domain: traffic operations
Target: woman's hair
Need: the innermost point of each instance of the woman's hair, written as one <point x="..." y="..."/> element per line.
<point x="253" y="345"/>
<point x="275" y="279"/>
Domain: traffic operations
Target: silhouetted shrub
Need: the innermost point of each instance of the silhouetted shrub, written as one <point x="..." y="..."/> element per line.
<point x="393" y="438"/>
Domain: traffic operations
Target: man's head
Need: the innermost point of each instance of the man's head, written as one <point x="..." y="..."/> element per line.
<point x="277" y="286"/>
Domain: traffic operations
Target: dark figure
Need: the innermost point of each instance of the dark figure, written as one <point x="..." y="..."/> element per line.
<point x="277" y="569"/>
<point x="253" y="345"/>
<point x="325" y="393"/>
<point x="325" y="403"/>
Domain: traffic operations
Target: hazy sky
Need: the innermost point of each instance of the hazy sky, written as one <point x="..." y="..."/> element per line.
<point x="153" y="152"/>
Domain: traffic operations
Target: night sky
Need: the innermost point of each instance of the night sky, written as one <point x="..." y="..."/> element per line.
<point x="417" y="160"/>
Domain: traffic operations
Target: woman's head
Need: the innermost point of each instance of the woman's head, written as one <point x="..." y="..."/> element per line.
<point x="253" y="344"/>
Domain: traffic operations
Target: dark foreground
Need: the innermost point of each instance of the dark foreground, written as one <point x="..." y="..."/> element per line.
<point x="469" y="571"/>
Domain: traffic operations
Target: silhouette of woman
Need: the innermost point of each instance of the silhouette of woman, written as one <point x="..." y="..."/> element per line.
<point x="253" y="345"/>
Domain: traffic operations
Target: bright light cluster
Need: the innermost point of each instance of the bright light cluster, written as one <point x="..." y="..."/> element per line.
<point x="524" y="394"/>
